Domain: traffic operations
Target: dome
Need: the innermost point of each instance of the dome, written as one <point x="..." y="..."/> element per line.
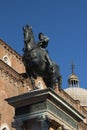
<point x="78" y="93"/>
<point x="74" y="90"/>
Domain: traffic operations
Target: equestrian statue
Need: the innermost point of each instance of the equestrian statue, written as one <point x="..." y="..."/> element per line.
<point x="37" y="61"/>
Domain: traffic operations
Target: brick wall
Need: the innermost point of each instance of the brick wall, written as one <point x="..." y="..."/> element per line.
<point x="14" y="57"/>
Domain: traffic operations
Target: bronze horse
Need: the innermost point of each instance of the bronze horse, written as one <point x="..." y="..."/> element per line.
<point x="37" y="61"/>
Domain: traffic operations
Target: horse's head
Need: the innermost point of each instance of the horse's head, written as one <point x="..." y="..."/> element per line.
<point x="28" y="37"/>
<point x="27" y="30"/>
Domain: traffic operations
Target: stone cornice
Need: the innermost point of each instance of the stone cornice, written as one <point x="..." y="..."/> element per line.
<point x="12" y="51"/>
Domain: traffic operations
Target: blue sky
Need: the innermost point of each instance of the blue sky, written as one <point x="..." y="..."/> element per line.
<point x="63" y="21"/>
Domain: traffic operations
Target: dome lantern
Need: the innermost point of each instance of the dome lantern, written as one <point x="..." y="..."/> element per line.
<point x="73" y="79"/>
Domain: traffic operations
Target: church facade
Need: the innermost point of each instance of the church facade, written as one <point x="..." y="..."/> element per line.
<point x="21" y="107"/>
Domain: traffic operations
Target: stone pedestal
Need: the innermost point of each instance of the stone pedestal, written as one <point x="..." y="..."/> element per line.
<point x="42" y="109"/>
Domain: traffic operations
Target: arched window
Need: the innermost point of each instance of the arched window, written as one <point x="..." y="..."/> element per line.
<point x="4" y="127"/>
<point x="6" y="60"/>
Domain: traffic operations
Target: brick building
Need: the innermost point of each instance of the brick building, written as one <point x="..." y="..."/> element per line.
<point x="13" y="83"/>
